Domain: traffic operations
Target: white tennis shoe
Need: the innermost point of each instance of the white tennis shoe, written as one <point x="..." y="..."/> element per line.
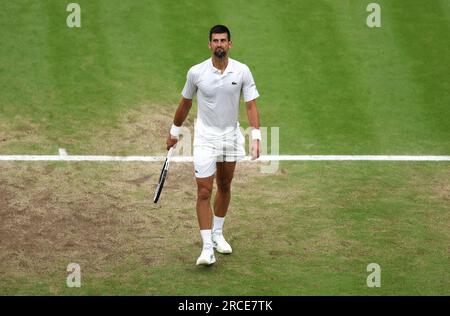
<point x="220" y="243"/>
<point x="206" y="257"/>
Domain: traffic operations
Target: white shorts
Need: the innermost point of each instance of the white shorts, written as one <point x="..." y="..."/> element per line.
<point x="210" y="150"/>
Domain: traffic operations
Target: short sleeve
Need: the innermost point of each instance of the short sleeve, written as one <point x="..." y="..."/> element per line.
<point x="248" y="86"/>
<point x="190" y="88"/>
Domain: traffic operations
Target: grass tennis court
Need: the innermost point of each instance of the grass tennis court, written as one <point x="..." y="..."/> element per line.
<point x="331" y="84"/>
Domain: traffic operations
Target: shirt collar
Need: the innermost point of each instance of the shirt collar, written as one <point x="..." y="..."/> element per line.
<point x="230" y="66"/>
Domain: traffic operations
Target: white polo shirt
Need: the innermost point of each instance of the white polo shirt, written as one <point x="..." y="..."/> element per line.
<point x="218" y="94"/>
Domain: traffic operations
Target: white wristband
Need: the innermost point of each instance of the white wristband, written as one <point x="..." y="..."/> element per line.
<point x="256" y="134"/>
<point x="175" y="131"/>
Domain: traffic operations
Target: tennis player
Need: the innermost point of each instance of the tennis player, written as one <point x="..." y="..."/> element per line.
<point x="218" y="83"/>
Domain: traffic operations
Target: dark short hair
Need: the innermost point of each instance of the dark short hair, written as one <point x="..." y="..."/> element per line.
<point x="219" y="29"/>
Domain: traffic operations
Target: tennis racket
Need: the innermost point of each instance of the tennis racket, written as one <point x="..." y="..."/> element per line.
<point x="162" y="176"/>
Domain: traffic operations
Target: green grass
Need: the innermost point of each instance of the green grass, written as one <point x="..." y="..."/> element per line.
<point x="329" y="82"/>
<point x="313" y="230"/>
<point x="332" y="85"/>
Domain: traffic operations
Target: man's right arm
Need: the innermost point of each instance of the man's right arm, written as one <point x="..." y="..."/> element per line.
<point x="182" y="111"/>
<point x="180" y="116"/>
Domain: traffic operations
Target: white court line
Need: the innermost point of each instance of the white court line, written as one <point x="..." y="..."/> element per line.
<point x="63" y="156"/>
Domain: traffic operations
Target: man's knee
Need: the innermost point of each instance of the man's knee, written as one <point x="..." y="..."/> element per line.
<point x="204" y="193"/>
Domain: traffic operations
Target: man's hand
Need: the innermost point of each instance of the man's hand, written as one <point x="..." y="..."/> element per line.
<point x="171" y="141"/>
<point x="255" y="149"/>
<point x="253" y="120"/>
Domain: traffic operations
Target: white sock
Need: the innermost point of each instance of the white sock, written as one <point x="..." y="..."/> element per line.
<point x="206" y="237"/>
<point x="218" y="224"/>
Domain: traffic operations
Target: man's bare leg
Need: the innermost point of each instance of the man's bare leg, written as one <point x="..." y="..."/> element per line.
<point x="224" y="176"/>
<point x="204" y="191"/>
<point x="204" y="216"/>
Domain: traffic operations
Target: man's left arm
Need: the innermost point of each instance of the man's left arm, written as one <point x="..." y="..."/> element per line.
<point x="253" y="120"/>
